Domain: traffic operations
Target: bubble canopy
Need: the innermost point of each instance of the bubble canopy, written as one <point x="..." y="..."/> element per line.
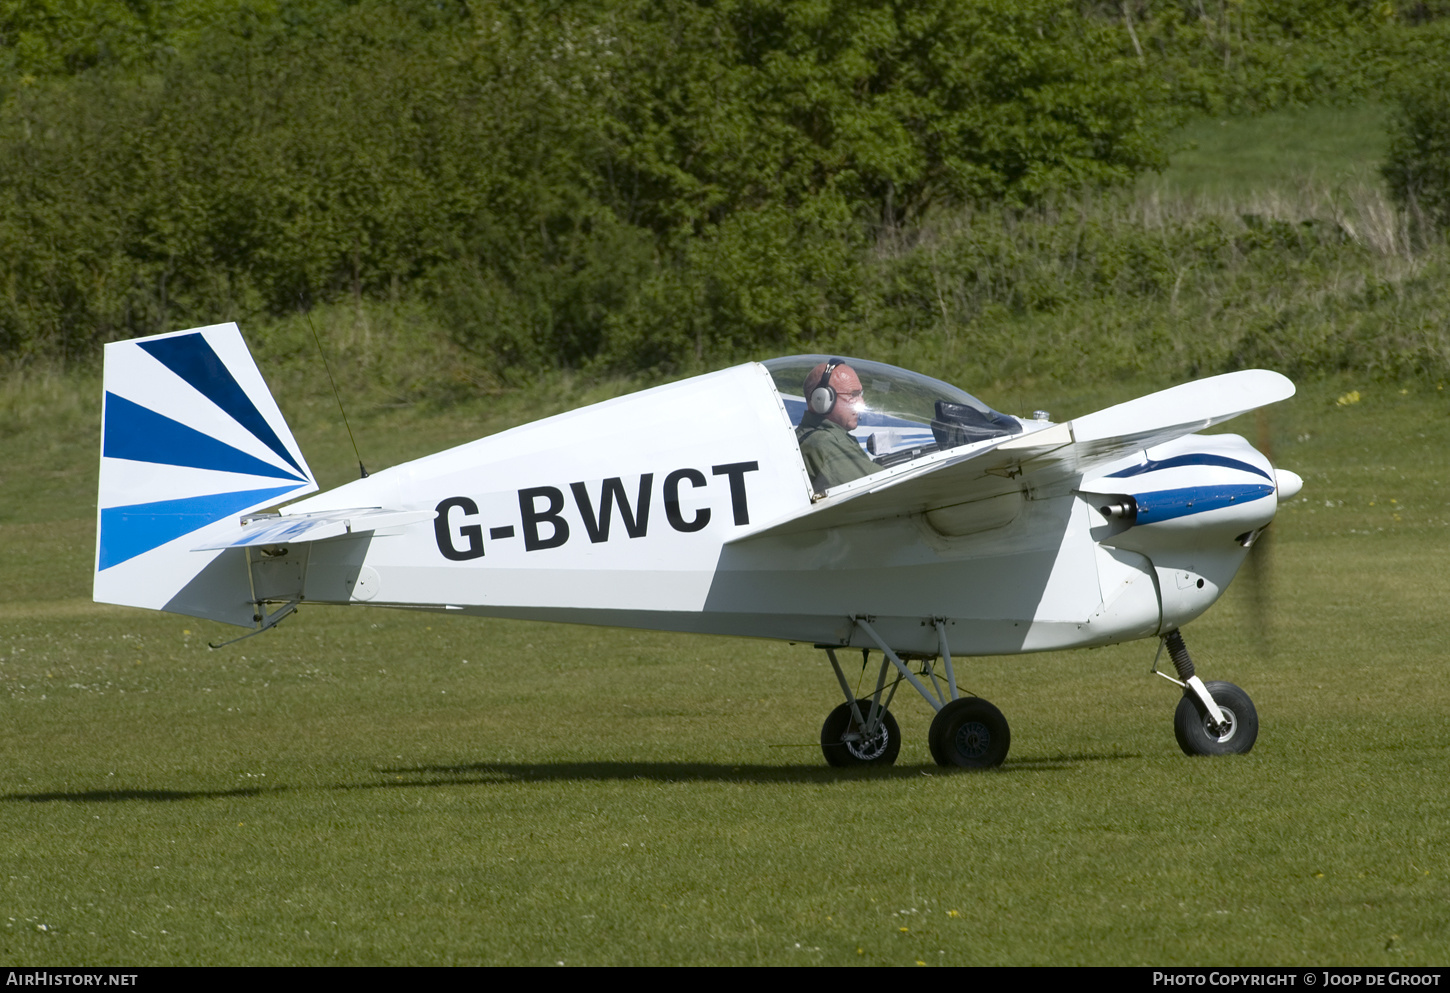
<point x="901" y="411"/>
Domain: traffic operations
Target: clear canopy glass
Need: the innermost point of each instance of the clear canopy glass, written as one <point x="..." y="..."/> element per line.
<point x="903" y="414"/>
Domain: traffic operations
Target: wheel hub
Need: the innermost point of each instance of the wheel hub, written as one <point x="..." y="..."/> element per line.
<point x="1221" y="732"/>
<point x="868" y="748"/>
<point x="973" y="739"/>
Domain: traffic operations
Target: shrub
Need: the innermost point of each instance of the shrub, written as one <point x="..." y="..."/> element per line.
<point x="637" y="183"/>
<point x="1418" y="165"/>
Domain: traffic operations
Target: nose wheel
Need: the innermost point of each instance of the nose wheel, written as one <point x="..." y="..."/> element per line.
<point x="1213" y="718"/>
<point x="1199" y="734"/>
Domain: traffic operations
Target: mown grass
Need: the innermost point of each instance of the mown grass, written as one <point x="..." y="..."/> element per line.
<point x="364" y="786"/>
<point x="1222" y="157"/>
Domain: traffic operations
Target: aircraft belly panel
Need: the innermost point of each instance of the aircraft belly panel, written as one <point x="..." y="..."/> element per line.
<point x="1071" y="593"/>
<point x="1131" y="604"/>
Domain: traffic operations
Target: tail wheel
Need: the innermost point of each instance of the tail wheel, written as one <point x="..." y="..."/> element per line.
<point x="844" y="744"/>
<point x="969" y="733"/>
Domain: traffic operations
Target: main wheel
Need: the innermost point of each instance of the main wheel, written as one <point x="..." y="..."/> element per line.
<point x="1191" y="722"/>
<point x="878" y="749"/>
<point x="970" y="733"/>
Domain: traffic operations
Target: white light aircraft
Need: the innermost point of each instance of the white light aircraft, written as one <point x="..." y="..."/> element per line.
<point x="688" y="507"/>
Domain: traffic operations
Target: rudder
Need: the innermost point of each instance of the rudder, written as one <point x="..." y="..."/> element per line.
<point x="191" y="439"/>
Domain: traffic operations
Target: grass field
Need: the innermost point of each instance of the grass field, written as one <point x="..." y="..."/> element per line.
<point x="1316" y="146"/>
<point x="364" y="786"/>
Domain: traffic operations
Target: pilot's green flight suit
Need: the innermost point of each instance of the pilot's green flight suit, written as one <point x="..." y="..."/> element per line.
<point x="831" y="455"/>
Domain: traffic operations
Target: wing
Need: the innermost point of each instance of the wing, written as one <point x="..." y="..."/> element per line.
<point x="1056" y="454"/>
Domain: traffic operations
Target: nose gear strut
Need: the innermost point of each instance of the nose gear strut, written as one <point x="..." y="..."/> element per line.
<point x="1215" y="721"/>
<point x="1212" y="718"/>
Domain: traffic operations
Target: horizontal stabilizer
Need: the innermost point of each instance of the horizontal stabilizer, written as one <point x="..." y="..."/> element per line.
<point x="1059" y="453"/>
<point x="298" y="528"/>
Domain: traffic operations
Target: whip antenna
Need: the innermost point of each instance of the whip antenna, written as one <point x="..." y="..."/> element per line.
<point x="335" y="395"/>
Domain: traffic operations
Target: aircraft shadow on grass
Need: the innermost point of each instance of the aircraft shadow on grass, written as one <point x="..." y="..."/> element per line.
<point x="701" y="772"/>
<point x="500" y="773"/>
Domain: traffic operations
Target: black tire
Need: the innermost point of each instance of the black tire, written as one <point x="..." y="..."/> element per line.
<point x="969" y="733"/>
<point x="1190" y="722"/>
<point x="880" y="749"/>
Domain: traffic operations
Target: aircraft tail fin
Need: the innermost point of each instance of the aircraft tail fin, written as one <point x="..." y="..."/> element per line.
<point x="191" y="440"/>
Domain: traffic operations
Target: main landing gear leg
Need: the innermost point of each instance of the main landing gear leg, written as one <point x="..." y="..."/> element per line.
<point x="1213" y="718"/>
<point x="967" y="732"/>
<point x="860" y="732"/>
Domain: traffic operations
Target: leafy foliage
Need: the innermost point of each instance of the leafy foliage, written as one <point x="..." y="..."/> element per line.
<point x="1118" y="287"/>
<point x="1418" y="166"/>
<point x="1248" y="56"/>
<point x="636" y="183"/>
<point x="892" y="105"/>
<point x="621" y="184"/>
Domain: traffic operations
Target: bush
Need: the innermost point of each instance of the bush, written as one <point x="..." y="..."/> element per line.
<point x="635" y="183"/>
<point x="1250" y="56"/>
<point x="1418" y="165"/>
<point x="640" y="184"/>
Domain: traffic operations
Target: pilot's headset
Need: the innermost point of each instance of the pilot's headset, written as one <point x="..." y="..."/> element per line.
<point x="822" y="398"/>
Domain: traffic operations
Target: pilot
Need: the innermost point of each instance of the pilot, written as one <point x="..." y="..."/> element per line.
<point x="833" y="408"/>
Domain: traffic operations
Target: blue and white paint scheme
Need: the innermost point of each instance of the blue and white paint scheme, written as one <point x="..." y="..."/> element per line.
<point x="688" y="508"/>
<point x="191" y="440"/>
<point x="1192" y="508"/>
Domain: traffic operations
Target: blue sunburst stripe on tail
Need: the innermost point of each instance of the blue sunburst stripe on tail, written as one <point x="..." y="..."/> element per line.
<point x="194" y="360"/>
<point x="126" y="532"/>
<point x="141" y="435"/>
